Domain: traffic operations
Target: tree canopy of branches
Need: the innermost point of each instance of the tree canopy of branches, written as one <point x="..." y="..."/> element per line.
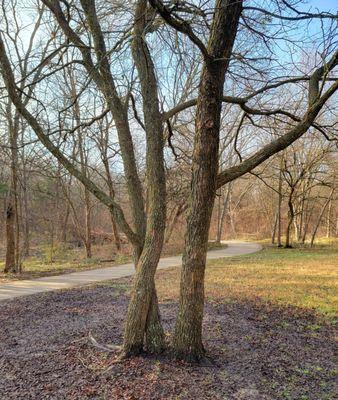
<point x="215" y="88"/>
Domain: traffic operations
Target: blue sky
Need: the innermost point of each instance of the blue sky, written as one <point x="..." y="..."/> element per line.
<point x="327" y="5"/>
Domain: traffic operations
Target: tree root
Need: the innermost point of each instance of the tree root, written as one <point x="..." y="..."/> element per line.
<point x="110" y="348"/>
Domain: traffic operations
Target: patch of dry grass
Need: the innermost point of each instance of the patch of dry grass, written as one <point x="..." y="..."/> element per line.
<point x="304" y="278"/>
<point x="63" y="261"/>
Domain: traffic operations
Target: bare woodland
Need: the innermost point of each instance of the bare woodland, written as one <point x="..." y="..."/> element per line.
<point x="145" y="124"/>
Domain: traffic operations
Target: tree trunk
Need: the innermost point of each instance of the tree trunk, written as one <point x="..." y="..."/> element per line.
<point x="301" y="217"/>
<point x="306" y="220"/>
<point x="111" y="193"/>
<point x="143" y="321"/>
<point x="188" y="330"/>
<point x="18" y="216"/>
<point x="116" y="234"/>
<point x="288" y="233"/>
<point x="179" y="211"/>
<point x="274" y="228"/>
<point x="328" y="220"/>
<point x="291" y="216"/>
<point x="279" y="209"/>
<point x="26" y="241"/>
<point x="83" y="165"/>
<point x="219" y="214"/>
<point x="320" y="217"/>
<point x="10" y="265"/>
<point x="296" y="227"/>
<point x="65" y="224"/>
<point x="100" y="71"/>
<point x="12" y="218"/>
<point x="52" y="242"/>
<point x="231" y="214"/>
<point x="225" y="210"/>
<point x="88" y="240"/>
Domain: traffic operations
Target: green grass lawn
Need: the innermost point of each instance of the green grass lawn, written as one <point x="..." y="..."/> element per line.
<point x="300" y="277"/>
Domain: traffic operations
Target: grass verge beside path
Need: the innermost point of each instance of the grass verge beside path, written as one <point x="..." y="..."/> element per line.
<point x="73" y="260"/>
<point x="268" y="330"/>
<point x="305" y="278"/>
<point x="64" y="261"/>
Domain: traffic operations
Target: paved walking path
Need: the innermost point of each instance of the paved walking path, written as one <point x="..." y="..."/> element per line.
<point x="27" y="287"/>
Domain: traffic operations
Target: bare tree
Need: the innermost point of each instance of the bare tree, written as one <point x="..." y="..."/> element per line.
<point x="211" y="29"/>
<point x="205" y="177"/>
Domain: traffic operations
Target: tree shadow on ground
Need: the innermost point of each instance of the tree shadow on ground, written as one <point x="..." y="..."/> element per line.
<point x="258" y="350"/>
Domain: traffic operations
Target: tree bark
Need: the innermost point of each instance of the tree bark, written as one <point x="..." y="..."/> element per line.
<point x="110" y="184"/>
<point x="291" y="216"/>
<point x="225" y="209"/>
<point x="116" y="234"/>
<point x="181" y="208"/>
<point x="83" y="165"/>
<point x="301" y="219"/>
<point x="12" y="216"/>
<point x="315" y="230"/>
<point x="88" y="240"/>
<point x="10" y="265"/>
<point x="274" y="228"/>
<point x="26" y="230"/>
<point x="218" y="227"/>
<point x="307" y="218"/>
<point x="279" y="231"/>
<point x="328" y="220"/>
<point x="65" y="224"/>
<point x="143" y="321"/>
<point x="103" y="78"/>
<point x="188" y="330"/>
<point x="278" y="217"/>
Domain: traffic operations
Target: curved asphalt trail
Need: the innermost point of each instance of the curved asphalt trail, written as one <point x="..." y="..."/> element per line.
<point x="19" y="288"/>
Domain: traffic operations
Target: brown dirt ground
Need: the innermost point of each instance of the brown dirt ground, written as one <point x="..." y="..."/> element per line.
<point x="258" y="351"/>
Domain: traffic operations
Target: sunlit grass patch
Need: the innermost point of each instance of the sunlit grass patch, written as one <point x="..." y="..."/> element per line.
<point x="58" y="260"/>
<point x="304" y="278"/>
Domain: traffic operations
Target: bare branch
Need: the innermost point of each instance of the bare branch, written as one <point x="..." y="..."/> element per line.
<point x="180" y="26"/>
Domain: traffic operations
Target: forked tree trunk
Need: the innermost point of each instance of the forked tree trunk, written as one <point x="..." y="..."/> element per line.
<point x="143" y="328"/>
<point x="100" y="71"/>
<point x="143" y="320"/>
<point x="188" y="330"/>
